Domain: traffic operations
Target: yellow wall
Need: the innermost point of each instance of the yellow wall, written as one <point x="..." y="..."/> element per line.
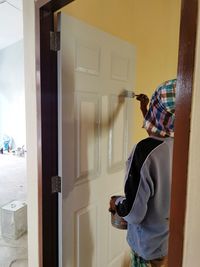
<point x="151" y="26"/>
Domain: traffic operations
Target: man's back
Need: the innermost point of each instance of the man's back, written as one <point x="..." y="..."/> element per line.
<point x="149" y="177"/>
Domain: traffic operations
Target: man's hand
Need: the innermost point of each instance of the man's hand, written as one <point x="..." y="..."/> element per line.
<point x="144" y="101"/>
<point x="112" y="207"/>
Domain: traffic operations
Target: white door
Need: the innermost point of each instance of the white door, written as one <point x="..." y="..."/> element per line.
<point x="95" y="139"/>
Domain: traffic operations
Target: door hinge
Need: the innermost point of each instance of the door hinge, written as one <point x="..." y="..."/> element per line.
<point x="54" y="41"/>
<point x="56" y="184"/>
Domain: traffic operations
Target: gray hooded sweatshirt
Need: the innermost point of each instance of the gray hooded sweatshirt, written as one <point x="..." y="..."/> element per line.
<point x="146" y="204"/>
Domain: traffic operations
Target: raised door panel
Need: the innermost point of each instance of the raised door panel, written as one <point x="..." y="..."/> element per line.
<point x="88" y="111"/>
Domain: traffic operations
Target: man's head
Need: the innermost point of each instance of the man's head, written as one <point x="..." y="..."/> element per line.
<point x="160" y="117"/>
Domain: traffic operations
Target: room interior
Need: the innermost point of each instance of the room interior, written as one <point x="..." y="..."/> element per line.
<point x="141" y="83"/>
<point x="192" y="220"/>
<point x="13" y="189"/>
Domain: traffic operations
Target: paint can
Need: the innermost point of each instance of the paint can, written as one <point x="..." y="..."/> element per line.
<point x="117" y="221"/>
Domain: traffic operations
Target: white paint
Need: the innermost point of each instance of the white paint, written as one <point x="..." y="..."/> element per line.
<point x="12" y="93"/>
<point x="192" y="229"/>
<point x="96" y="132"/>
<point x="11" y="26"/>
<point x="31" y="131"/>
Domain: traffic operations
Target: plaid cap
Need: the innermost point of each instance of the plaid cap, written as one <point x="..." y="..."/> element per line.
<point x="161" y="114"/>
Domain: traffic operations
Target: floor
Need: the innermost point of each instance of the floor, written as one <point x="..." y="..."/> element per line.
<point x="13" y="253"/>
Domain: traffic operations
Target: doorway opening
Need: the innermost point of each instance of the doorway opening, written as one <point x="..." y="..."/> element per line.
<point x="50" y="58"/>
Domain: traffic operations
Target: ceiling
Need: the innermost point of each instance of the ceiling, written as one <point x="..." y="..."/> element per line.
<point x="11" y="25"/>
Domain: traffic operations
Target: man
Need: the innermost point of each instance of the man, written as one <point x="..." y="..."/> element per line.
<point x="146" y="205"/>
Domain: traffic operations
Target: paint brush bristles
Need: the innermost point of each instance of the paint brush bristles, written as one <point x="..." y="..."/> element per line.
<point x="129" y="94"/>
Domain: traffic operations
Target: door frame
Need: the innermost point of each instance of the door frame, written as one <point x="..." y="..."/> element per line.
<point x="47" y="107"/>
<point x="185" y="78"/>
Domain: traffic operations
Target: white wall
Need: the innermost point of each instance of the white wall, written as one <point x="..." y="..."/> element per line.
<point x="31" y="132"/>
<point x="12" y="93"/>
<point x="192" y="229"/>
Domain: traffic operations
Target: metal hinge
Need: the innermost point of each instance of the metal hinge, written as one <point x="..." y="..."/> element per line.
<point x="56" y="184"/>
<point x="54" y="41"/>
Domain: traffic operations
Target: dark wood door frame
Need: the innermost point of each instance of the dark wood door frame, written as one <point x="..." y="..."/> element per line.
<point x="187" y="44"/>
<point x="46" y="64"/>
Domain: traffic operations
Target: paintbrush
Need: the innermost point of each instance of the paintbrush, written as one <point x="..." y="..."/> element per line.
<point x="129" y="94"/>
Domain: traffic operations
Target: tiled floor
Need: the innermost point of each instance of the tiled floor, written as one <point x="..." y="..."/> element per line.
<point x="13" y="253"/>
